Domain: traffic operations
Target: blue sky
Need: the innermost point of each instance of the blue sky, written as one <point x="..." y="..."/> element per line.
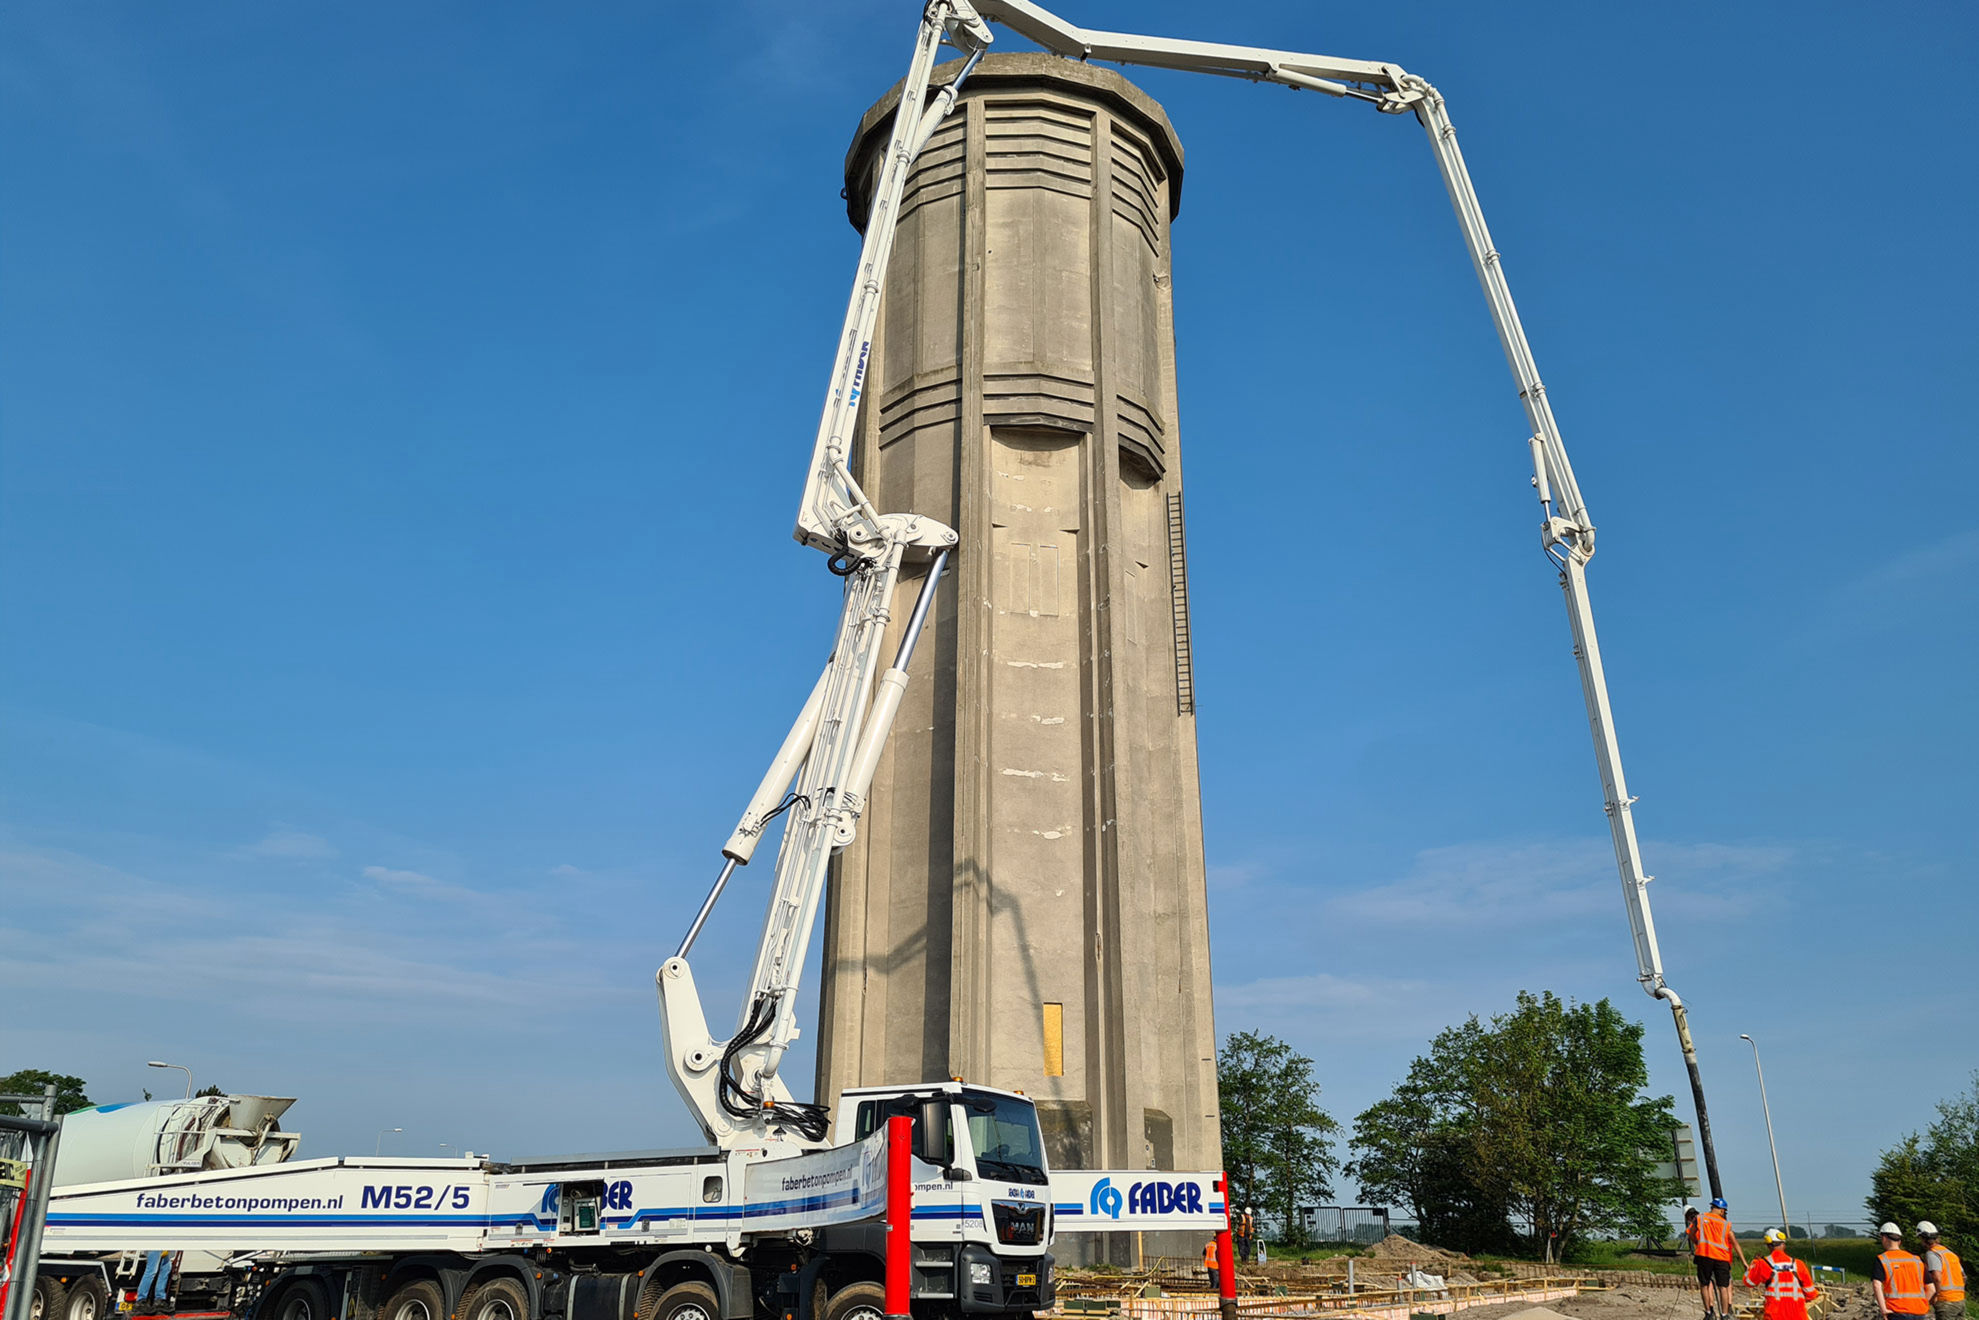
<point x="403" y="412"/>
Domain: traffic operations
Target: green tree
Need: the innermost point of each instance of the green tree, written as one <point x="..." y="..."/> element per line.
<point x="1935" y="1176"/>
<point x="1536" y="1119"/>
<point x="1565" y="1122"/>
<point x="1416" y="1148"/>
<point x="69" y="1091"/>
<point x="1277" y="1141"/>
<point x="208" y="1090"/>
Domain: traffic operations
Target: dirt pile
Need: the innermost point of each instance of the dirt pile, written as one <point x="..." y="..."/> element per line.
<point x="1397" y="1247"/>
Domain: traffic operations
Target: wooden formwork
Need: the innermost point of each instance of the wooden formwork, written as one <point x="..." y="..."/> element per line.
<point x="1125" y="1296"/>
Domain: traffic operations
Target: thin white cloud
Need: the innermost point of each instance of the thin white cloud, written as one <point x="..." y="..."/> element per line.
<point x="1321" y="1012"/>
<point x="1924" y="581"/>
<point x="1312" y="991"/>
<point x="1236" y="875"/>
<point x="333" y="955"/>
<point x="287" y="844"/>
<point x="417" y="884"/>
<point x="416" y="880"/>
<point x="1507" y="882"/>
<point x="1953" y="556"/>
<point x="73" y="886"/>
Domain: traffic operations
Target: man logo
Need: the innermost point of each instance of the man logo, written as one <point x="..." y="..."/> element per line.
<point x="1106" y="1199"/>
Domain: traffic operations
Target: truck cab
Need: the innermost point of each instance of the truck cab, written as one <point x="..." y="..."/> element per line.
<point x="982" y="1192"/>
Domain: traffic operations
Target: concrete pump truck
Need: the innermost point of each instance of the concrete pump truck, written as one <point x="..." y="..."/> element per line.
<point x="777" y="1215"/>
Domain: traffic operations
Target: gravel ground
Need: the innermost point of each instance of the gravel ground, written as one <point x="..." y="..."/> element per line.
<point x="1639" y="1304"/>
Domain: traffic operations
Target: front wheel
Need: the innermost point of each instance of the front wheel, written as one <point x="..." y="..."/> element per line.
<point x="684" y="1301"/>
<point x="495" y="1299"/>
<point x="857" y="1301"/>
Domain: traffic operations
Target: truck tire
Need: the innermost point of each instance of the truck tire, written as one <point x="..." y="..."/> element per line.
<point x="420" y="1299"/>
<point x="857" y="1301"/>
<point x="492" y="1299"/>
<point x="87" y="1299"/>
<point x="683" y="1301"/>
<point x="303" y="1299"/>
<point x="49" y="1294"/>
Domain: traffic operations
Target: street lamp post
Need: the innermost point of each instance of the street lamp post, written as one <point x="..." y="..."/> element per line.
<point x="160" y="1063"/>
<point x="380" y="1149"/>
<point x="1767" y="1109"/>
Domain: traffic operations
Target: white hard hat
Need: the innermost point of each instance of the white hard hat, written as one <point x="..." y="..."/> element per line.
<point x="1890" y="1230"/>
<point x="1775" y="1235"/>
<point x="1925" y="1228"/>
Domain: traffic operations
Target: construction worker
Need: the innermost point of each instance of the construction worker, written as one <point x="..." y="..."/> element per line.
<point x="1715" y="1244"/>
<point x="1788" y="1284"/>
<point x="1703" y="1274"/>
<point x="1944" y="1275"/>
<point x="1899" y="1277"/>
<point x="155" y="1283"/>
<point x="1209" y="1266"/>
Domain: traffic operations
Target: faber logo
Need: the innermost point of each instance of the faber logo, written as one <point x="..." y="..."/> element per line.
<point x="1164" y="1198"/>
<point x="1154" y="1199"/>
<point x="859" y="372"/>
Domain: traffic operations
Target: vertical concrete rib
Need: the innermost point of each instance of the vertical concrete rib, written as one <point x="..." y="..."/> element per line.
<point x="1025" y="906"/>
<point x="968" y="1016"/>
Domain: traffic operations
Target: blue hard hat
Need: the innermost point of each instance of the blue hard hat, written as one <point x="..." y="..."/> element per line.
<point x="1718" y="1203"/>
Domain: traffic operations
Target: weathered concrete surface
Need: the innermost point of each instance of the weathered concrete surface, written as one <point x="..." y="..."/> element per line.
<point x="1025" y="905"/>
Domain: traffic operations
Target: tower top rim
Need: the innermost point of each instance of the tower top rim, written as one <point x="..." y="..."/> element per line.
<point x="1014" y="70"/>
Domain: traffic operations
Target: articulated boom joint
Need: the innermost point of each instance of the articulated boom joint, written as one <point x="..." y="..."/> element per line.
<point x="1409" y="92"/>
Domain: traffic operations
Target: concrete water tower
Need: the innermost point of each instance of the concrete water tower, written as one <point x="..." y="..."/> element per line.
<point x="1024" y="906"/>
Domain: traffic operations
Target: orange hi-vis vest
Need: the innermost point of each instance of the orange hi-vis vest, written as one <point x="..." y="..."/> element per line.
<point x="1903" y="1283"/>
<point x="1951" y="1276"/>
<point x="1714" y="1237"/>
<point x="1209" y="1255"/>
<point x="1787" y="1282"/>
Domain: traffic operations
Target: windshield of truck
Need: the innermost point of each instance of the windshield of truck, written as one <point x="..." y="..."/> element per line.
<point x="1004" y="1131"/>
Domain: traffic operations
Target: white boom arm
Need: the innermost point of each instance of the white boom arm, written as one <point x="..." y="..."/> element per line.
<point x="732" y="1086"/>
<point x="1566" y="531"/>
<point x="835" y="516"/>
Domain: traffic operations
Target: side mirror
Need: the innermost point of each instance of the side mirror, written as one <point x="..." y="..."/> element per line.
<point x="931" y="1138"/>
<point x="956" y="1173"/>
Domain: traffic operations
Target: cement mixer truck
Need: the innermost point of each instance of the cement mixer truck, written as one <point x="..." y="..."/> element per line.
<point x="151" y="1139"/>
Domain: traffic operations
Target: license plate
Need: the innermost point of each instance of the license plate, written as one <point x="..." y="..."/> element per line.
<point x="1027" y="1281"/>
